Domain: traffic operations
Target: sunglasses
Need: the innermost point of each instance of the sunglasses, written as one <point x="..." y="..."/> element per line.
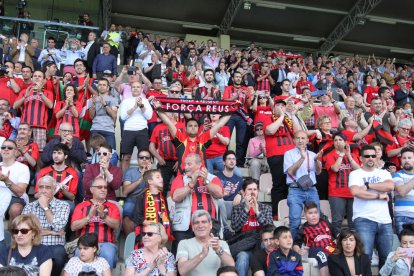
<point x="370" y="156"/>
<point x="101" y="187"/>
<point x="175" y="91"/>
<point x="149" y="234"/>
<point x="259" y="128"/>
<point x="262" y="97"/>
<point x="144" y="157"/>
<point x="103" y="153"/>
<point x="24" y="231"/>
<point x="7" y="147"/>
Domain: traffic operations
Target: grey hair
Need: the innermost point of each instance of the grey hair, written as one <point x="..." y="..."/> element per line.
<point x="47" y="179"/>
<point x="197" y="157"/>
<point x="404" y="122"/>
<point x="200" y="213"/>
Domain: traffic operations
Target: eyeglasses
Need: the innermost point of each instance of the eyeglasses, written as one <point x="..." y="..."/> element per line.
<point x="144" y="157"/>
<point x="370" y="156"/>
<point x="259" y="128"/>
<point x="262" y="97"/>
<point x="45" y="187"/>
<point x="7" y="147"/>
<point x="327" y="122"/>
<point x="101" y="187"/>
<point x="149" y="234"/>
<point x="103" y="153"/>
<point x="24" y="231"/>
<point x="405" y="129"/>
<point x="66" y="130"/>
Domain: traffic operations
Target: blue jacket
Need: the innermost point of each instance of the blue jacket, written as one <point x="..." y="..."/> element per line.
<point x="278" y="264"/>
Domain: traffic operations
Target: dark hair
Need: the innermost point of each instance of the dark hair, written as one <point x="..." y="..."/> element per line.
<point x="144" y="150"/>
<point x="61" y="147"/>
<point x="107" y="146"/>
<point x="103" y="79"/>
<point x="284" y="81"/>
<point x="191" y="119"/>
<point x="340" y="134"/>
<point x="12" y="271"/>
<point x="364" y="148"/>
<point x="268" y="228"/>
<point x="79" y="60"/>
<point x="227" y="153"/>
<point x="89" y="240"/>
<point x="344" y="234"/>
<point x="208" y="70"/>
<point x="87" y="273"/>
<point x="27" y="67"/>
<point x="404" y="150"/>
<point x="382" y="90"/>
<point x="279" y="231"/>
<point x="408" y="230"/>
<point x="249" y="181"/>
<point x="51" y="38"/>
<point x="309" y="205"/>
<point x="225" y="269"/>
<point x="75" y="97"/>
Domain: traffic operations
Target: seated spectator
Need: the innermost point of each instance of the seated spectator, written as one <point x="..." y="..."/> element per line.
<point x="12" y="271"/>
<point x="249" y="215"/>
<point x="96" y="142"/>
<point x="88" y="259"/>
<point x="348" y="257"/>
<point x="399" y="262"/>
<point x="26" y="250"/>
<point x="318" y="235"/>
<point x="153" y="258"/>
<point x="258" y="258"/>
<point x="284" y="260"/>
<point x="65" y="176"/>
<point x="133" y="185"/>
<point x="147" y="210"/>
<point x="53" y="215"/>
<point x="364" y="137"/>
<point x="402" y="139"/>
<point x="256" y="155"/>
<point x="203" y="254"/>
<point x="14" y="179"/>
<point x="28" y="150"/>
<point x="112" y="174"/>
<point x="8" y="121"/>
<point x="227" y="271"/>
<point x="101" y="217"/>
<point x="68" y="109"/>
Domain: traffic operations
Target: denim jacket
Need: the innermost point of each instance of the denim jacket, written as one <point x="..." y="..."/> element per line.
<point x="398" y="268"/>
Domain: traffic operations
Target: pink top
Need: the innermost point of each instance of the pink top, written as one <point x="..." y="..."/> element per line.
<point x="254" y="146"/>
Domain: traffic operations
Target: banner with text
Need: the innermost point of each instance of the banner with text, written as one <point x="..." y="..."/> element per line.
<point x="197" y="106"/>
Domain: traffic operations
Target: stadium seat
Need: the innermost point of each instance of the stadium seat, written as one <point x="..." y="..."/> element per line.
<point x="326" y="209"/>
<point x="129" y="245"/>
<point x="265" y="187"/>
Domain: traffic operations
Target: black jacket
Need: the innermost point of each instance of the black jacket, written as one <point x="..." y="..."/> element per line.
<point x="338" y="266"/>
<point x="94" y="50"/>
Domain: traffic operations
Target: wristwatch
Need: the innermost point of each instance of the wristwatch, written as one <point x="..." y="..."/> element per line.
<point x="366" y="185"/>
<point x="207" y="182"/>
<point x="220" y="252"/>
<point x="141" y="106"/>
<point x="46" y="209"/>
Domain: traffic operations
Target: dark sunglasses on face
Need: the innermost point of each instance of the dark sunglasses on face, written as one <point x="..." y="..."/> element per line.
<point x="7" y="147"/>
<point x="368" y="156"/>
<point x="103" y="153"/>
<point x="175" y="91"/>
<point x="24" y="231"/>
<point x="149" y="234"/>
<point x="259" y="128"/>
<point x="144" y="157"/>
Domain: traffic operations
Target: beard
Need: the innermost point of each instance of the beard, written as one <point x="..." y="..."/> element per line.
<point x="407" y="167"/>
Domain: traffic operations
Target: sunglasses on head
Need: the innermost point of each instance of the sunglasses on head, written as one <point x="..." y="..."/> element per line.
<point x="370" y="155"/>
<point x="7" y="147"/>
<point x="149" y="234"/>
<point x="103" y="153"/>
<point x="144" y="157"/>
<point x="24" y="231"/>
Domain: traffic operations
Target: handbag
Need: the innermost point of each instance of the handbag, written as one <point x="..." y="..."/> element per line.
<point x="244" y="241"/>
<point x="304" y="182"/>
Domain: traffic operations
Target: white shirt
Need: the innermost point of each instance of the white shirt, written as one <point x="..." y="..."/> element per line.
<point x="86" y="49"/>
<point x="291" y="157"/>
<point x="22" y="53"/>
<point x="137" y="120"/>
<point x="19" y="173"/>
<point x="372" y="209"/>
<point x="292" y="76"/>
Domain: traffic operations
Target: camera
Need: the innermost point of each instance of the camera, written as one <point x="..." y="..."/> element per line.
<point x="3" y="70"/>
<point x="131" y="70"/>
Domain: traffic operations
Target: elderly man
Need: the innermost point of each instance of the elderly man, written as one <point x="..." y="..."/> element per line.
<point x="101" y="217"/>
<point x="300" y="162"/>
<point x="203" y="254"/>
<point x="402" y="140"/>
<point x="53" y="215"/>
<point x="196" y="189"/>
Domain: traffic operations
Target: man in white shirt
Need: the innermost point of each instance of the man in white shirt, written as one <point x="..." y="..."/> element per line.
<point x="293" y="77"/>
<point x="371" y="216"/>
<point x="50" y="53"/>
<point x="135" y="111"/>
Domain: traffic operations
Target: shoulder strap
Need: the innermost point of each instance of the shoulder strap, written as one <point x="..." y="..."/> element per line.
<point x="9" y="256"/>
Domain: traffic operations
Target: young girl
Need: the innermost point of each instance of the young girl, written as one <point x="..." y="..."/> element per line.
<point x="398" y="263"/>
<point x="88" y="260"/>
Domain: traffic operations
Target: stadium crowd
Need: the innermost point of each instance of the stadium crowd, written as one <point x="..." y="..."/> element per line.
<point x="325" y="127"/>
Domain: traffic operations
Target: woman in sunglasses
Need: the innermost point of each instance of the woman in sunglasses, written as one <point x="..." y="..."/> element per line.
<point x="25" y="250"/>
<point x="153" y="259"/>
<point x="349" y="258"/>
<point x="88" y="260"/>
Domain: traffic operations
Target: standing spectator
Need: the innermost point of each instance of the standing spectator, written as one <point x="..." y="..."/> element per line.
<point x="134" y="112"/>
<point x="222" y="76"/>
<point x="328" y="107"/>
<point x="72" y="51"/>
<point x="68" y="109"/>
<point x="85" y="20"/>
<point x="99" y="216"/>
<point x="53" y="215"/>
<point x="263" y="79"/>
<point x="257" y="161"/>
<point x="8" y="122"/>
<point x="249" y="215"/>
<point x="402" y="139"/>
<point x="371" y="217"/>
<point x="23" y="52"/>
<point x="36" y="102"/>
<point x="113" y="37"/>
<point x="91" y="51"/>
<point x="103" y="62"/>
<point x="386" y="119"/>
<point x="300" y="162"/>
<point x="103" y="112"/>
<point x="279" y="75"/>
<point x="9" y="86"/>
<point x="50" y="53"/>
<point x="209" y="91"/>
<point x="151" y="95"/>
<point x="162" y="71"/>
<point x="35" y="45"/>
<point x="293" y="76"/>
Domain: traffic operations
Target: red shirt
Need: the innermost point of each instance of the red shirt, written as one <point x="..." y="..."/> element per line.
<point x="263" y="85"/>
<point x="242" y="92"/>
<point x="162" y="139"/>
<point x="201" y="198"/>
<point x="156" y="95"/>
<point x="328" y="111"/>
<point x="278" y="143"/>
<point x="252" y="223"/>
<point x="338" y="181"/>
<point x="368" y="139"/>
<point x="59" y="176"/>
<point x="68" y="117"/>
<point x="96" y="224"/>
<point x="302" y="84"/>
<point x="33" y="150"/>
<point x="6" y="92"/>
<point x="262" y="114"/>
<point x="398" y="143"/>
<point x="34" y="109"/>
<point x="371" y="93"/>
<point x="217" y="148"/>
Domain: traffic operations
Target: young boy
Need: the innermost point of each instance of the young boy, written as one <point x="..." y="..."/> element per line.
<point x="317" y="234"/>
<point x="284" y="261"/>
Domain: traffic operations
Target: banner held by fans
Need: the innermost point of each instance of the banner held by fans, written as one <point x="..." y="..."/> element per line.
<point x="197" y="106"/>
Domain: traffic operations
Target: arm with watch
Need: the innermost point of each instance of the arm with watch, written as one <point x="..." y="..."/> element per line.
<point x="380" y="188"/>
<point x="214" y="188"/>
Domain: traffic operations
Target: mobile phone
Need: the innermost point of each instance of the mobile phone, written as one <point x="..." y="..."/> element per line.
<point x="408" y="251"/>
<point x="131" y="70"/>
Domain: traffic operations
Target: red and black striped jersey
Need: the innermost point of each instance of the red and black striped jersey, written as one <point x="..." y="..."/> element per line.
<point x="33" y="150"/>
<point x="96" y="224"/>
<point x="59" y="176"/>
<point x="162" y="139"/>
<point x="318" y="235"/>
<point x="34" y="109"/>
<point x="68" y="117"/>
<point x="263" y="85"/>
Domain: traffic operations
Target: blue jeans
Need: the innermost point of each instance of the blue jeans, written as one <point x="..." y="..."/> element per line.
<point x="129" y="208"/>
<point x="108" y="251"/>
<point x="60" y="258"/>
<point x="400" y="221"/>
<point x="374" y="233"/>
<point x="242" y="262"/>
<point x="215" y="163"/>
<point x="109" y="137"/>
<point x="241" y="126"/>
<point x="295" y="200"/>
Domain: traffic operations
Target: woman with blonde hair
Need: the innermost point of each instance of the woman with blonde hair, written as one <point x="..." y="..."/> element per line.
<point x="153" y="259"/>
<point x="25" y="250"/>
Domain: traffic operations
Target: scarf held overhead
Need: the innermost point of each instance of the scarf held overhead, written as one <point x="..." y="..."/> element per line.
<point x="197" y="106"/>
